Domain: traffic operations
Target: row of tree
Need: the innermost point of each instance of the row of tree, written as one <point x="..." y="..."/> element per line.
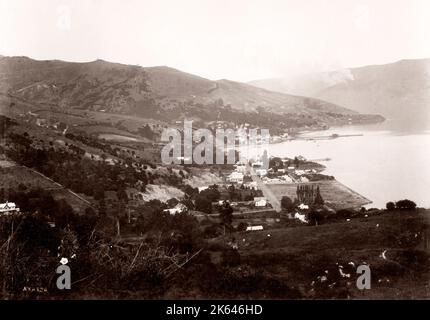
<point x="405" y="204"/>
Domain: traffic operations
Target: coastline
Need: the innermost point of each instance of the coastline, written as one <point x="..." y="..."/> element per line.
<point x="298" y="135"/>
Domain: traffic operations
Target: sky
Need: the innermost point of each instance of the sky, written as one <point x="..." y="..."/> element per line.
<point x="240" y="40"/>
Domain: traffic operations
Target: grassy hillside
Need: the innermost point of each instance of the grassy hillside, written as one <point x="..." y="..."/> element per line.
<point x="399" y="90"/>
<point x="300" y="256"/>
<point x="304" y="262"/>
<point x="147" y="92"/>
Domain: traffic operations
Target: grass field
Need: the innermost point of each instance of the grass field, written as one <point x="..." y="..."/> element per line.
<point x="335" y="194"/>
<point x="12" y="176"/>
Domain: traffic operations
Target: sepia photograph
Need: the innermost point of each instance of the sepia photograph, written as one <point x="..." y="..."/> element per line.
<point x="212" y="150"/>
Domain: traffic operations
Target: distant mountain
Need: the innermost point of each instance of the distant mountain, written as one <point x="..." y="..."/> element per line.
<point x="399" y="90"/>
<point x="147" y="92"/>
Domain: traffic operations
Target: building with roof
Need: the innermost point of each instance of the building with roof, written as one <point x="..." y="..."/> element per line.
<point x="254" y="228"/>
<point x="8" y="208"/>
<point x="179" y="208"/>
<point x="260" y="201"/>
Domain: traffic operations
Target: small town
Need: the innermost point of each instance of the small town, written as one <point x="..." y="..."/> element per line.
<point x="207" y="157"/>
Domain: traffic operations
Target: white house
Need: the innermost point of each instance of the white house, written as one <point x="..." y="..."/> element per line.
<point x="8" y="208"/>
<point x="260" y="201"/>
<point x="303" y="206"/>
<point x="301" y="217"/>
<point x="179" y="208"/>
<point x="236" y="177"/>
<point x="254" y="228"/>
<point x="203" y="188"/>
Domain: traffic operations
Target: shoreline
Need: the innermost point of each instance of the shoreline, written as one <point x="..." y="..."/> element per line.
<point x="335" y="194"/>
<point x="299" y="134"/>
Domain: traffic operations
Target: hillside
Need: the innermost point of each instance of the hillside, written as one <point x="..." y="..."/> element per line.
<point x="300" y="256"/>
<point x="399" y="90"/>
<point x="146" y="92"/>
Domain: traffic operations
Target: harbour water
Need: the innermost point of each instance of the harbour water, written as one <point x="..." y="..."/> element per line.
<point x="384" y="162"/>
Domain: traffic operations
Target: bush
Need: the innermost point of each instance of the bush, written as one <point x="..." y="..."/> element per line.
<point x="212" y="231"/>
<point x="203" y="204"/>
<point x="345" y="213"/>
<point x="242" y="226"/>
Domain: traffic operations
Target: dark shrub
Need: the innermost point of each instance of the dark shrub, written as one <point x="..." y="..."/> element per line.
<point x="242" y="226"/>
<point x="287" y="203"/>
<point x="230" y="257"/>
<point x="344" y="213"/>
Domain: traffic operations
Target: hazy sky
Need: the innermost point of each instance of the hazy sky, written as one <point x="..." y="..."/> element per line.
<point x="234" y="39"/>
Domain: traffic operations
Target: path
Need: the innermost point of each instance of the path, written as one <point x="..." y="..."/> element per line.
<point x="276" y="204"/>
<point x="59" y="186"/>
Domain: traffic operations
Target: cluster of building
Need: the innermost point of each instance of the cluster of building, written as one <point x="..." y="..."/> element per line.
<point x="287" y="174"/>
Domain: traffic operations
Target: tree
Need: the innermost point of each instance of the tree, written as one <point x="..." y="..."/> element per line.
<point x="212" y="193"/>
<point x="315" y="217"/>
<point x="296" y="162"/>
<point x="99" y="193"/>
<point x="147" y="132"/>
<point x="276" y="163"/>
<point x="172" y="202"/>
<point x="318" y="198"/>
<point x="65" y="213"/>
<point x="390" y="206"/>
<point x="226" y="215"/>
<point x="230" y="257"/>
<point x="90" y="212"/>
<point x="203" y="204"/>
<point x="121" y="194"/>
<point x="35" y="233"/>
<point x="287" y="203"/>
<point x="406" y="205"/>
<point x="232" y="192"/>
<point x="102" y="207"/>
<point x="242" y="226"/>
<point x="190" y="191"/>
<point x="69" y="243"/>
<point x="188" y="203"/>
